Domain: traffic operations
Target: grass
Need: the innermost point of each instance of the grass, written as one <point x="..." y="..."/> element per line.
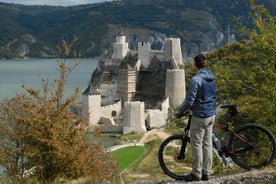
<point x="147" y="168"/>
<point x="127" y="156"/>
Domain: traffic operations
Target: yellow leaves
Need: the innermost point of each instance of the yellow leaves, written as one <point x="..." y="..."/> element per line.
<point x="65" y="48"/>
<point x="41" y="129"/>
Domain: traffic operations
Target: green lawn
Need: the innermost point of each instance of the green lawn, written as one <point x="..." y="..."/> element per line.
<point x="127" y="155"/>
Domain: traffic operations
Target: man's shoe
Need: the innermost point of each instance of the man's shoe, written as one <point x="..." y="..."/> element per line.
<point x="191" y="177"/>
<point x="205" y="177"/>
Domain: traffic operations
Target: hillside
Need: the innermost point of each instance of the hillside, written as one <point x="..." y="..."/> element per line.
<point x="34" y="31"/>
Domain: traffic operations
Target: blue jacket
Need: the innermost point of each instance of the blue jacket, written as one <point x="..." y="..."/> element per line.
<point x="201" y="95"/>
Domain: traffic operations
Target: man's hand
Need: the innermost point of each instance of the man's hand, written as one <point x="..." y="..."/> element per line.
<point x="180" y="114"/>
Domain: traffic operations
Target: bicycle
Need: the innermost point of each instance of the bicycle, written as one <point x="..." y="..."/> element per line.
<point x="250" y="146"/>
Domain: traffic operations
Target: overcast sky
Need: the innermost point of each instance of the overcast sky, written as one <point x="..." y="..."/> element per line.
<point x="53" y="2"/>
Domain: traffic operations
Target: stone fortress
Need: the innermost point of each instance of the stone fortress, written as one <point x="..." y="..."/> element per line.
<point x="132" y="90"/>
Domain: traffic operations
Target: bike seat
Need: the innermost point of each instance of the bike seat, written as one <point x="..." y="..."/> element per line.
<point x="229" y="106"/>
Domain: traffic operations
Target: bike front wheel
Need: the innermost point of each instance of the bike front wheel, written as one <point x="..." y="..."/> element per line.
<point x="252" y="146"/>
<point x="169" y="160"/>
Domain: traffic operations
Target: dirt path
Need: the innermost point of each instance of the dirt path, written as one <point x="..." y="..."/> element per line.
<point x="153" y="134"/>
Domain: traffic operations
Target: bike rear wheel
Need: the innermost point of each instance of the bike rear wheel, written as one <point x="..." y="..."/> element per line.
<point x="252" y="146"/>
<point x="168" y="157"/>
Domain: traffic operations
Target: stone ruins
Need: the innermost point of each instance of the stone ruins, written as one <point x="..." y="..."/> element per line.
<point x="132" y="90"/>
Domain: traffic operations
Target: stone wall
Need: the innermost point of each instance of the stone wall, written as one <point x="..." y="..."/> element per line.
<point x="172" y="48"/>
<point x="144" y="53"/>
<point x="120" y="48"/>
<point x="127" y="84"/>
<point x="112" y="111"/>
<point x="155" y="117"/>
<point x="92" y="107"/>
<point x="134" y="113"/>
<point x="134" y="117"/>
<point x="175" y="86"/>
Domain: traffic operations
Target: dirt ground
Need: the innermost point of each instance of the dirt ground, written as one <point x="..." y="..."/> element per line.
<point x="153" y="134"/>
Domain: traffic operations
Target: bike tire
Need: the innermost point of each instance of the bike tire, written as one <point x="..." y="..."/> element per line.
<point x="259" y="152"/>
<point x="167" y="153"/>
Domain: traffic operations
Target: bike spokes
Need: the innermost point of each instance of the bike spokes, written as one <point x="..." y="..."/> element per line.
<point x="252" y="147"/>
<point x="171" y="160"/>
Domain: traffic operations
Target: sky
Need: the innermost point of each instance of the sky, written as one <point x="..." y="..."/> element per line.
<point x="53" y="2"/>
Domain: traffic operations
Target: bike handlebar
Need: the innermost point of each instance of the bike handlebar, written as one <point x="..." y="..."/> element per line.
<point x="179" y="115"/>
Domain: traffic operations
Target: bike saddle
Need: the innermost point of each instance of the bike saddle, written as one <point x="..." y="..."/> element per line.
<point x="229" y="106"/>
<point x="232" y="109"/>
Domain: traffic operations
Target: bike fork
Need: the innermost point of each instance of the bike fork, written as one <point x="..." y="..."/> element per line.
<point x="181" y="154"/>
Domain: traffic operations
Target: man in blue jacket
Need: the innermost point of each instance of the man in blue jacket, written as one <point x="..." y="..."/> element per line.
<point x="201" y="101"/>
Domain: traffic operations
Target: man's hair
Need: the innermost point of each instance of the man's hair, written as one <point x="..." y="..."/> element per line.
<point x="200" y="61"/>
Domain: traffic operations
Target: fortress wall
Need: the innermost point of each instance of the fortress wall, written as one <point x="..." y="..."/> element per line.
<point x="165" y="105"/>
<point x="120" y="39"/>
<point x="120" y="48"/>
<point x="176" y="50"/>
<point x="137" y="68"/>
<point x="157" y="53"/>
<point x="120" y="51"/>
<point x="133" y="52"/>
<point x="175" y="86"/>
<point x="108" y="92"/>
<point x="172" y="48"/>
<point x="174" y="62"/>
<point x="127" y="84"/>
<point x="157" y="118"/>
<point x="108" y="110"/>
<point x="92" y="105"/>
<point x="134" y="117"/>
<point x="144" y="53"/>
<point x="112" y="128"/>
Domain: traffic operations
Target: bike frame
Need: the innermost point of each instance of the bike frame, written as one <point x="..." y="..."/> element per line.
<point x="224" y="151"/>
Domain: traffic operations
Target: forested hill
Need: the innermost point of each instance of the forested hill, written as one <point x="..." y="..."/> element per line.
<point x="202" y="25"/>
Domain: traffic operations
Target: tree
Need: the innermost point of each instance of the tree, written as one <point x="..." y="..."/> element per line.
<point x="246" y="70"/>
<point x="41" y="138"/>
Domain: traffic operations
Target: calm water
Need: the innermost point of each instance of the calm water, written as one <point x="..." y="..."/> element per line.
<point x="15" y="73"/>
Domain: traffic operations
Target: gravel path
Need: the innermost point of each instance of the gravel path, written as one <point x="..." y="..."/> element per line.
<point x="250" y="177"/>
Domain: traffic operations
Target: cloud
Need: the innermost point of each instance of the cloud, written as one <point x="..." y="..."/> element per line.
<point x="53" y="2"/>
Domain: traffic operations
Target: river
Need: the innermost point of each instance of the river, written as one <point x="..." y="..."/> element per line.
<point x="31" y="72"/>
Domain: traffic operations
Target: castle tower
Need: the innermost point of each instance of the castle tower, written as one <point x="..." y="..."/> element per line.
<point x="127" y="83"/>
<point x="175" y="86"/>
<point x="92" y="107"/>
<point x="172" y="48"/>
<point x="134" y="117"/>
<point x="144" y="53"/>
<point x="120" y="47"/>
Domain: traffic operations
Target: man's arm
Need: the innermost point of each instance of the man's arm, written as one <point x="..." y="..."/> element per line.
<point x="192" y="93"/>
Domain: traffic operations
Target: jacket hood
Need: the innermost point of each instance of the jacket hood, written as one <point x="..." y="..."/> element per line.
<point x="205" y="74"/>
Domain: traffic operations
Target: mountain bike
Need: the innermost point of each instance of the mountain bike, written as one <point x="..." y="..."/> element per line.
<point x="249" y="146"/>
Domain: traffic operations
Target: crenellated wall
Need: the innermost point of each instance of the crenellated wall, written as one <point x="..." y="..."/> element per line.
<point x="112" y="111"/>
<point x="92" y="107"/>
<point x="134" y="113"/>
<point x="156" y="117"/>
<point x="172" y="48"/>
<point x="144" y="53"/>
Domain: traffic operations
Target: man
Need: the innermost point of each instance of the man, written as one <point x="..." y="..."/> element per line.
<point x="201" y="101"/>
